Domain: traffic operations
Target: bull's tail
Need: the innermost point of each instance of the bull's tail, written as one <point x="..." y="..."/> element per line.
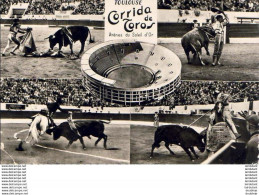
<point x="193" y="49"/>
<point x="90" y="37"/>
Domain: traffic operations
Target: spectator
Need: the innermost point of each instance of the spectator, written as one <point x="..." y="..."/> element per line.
<point x="205" y="5"/>
<point x="48" y="7"/>
<point x="39" y="91"/>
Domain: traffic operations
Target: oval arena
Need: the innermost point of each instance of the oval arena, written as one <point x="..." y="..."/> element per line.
<point x="130" y="72"/>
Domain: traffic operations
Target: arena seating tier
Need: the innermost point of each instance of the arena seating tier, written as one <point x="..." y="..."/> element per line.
<point x="39" y="91"/>
<point x="48" y="7"/>
<point x="205" y="5"/>
<point x="103" y="64"/>
<point x="139" y="56"/>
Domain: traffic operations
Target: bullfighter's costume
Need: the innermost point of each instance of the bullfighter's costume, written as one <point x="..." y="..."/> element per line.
<point x="217" y="120"/>
<point x="219" y="21"/>
<point x="12" y="36"/>
<point x="156" y="120"/>
<point x="72" y="125"/>
<point x="226" y="115"/>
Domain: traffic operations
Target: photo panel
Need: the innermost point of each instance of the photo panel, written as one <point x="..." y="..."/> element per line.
<point x="81" y="131"/>
<point x="201" y="122"/>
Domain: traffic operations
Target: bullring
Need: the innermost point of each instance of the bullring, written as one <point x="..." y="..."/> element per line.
<point x="130" y="72"/>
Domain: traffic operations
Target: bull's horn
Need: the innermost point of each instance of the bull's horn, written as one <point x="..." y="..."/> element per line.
<point x="47" y="37"/>
<point x="51" y="36"/>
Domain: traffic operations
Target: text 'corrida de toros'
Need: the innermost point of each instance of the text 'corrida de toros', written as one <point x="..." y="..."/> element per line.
<point x="128" y="16"/>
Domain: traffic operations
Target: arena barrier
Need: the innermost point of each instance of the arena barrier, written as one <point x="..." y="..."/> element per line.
<point x="94" y="23"/>
<point x="247" y="32"/>
<point x="231" y="153"/>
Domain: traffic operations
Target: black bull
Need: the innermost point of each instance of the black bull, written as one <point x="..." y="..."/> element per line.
<point x="66" y="36"/>
<point x="194" y="40"/>
<point x="85" y="128"/>
<point x="183" y="136"/>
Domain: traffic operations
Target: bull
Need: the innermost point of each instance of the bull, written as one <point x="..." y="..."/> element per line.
<point x="85" y="128"/>
<point x="66" y="36"/>
<point x="194" y="40"/>
<point x="183" y="136"/>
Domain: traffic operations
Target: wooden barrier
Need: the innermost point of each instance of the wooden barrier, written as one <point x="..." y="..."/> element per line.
<point x="243" y="30"/>
<point x="231" y="153"/>
<point x="94" y="23"/>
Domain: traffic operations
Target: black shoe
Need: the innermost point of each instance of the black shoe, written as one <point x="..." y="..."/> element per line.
<point x="12" y="53"/>
<point x="3" y="54"/>
<point x="237" y="135"/>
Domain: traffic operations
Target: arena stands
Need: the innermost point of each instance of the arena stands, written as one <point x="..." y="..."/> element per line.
<point x="104" y="59"/>
<point x="48" y="7"/>
<point x="205" y="5"/>
<point x="96" y="7"/>
<point x="6" y="4"/>
<point x="91" y="7"/>
<point x="140" y="54"/>
<point x="200" y="92"/>
<point x="40" y="91"/>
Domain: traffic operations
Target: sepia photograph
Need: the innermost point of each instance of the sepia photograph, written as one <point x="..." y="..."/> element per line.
<point x="172" y="84"/>
<point x="215" y="40"/>
<point x="114" y="96"/>
<point x="201" y="122"/>
<point x="57" y="121"/>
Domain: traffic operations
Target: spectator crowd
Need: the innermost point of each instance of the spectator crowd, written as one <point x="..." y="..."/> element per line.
<point x="41" y="91"/>
<point x="205" y="92"/>
<point x="48" y="7"/>
<point x="6" y="4"/>
<point x="206" y="5"/>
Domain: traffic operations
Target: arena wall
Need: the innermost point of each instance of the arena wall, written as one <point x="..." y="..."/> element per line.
<point x="172" y="16"/>
<point x="87" y="22"/>
<point x="171" y="25"/>
<point x="181" y="109"/>
<point x="172" y="118"/>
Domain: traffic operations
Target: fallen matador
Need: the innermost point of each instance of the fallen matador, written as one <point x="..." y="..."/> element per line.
<point x="51" y="53"/>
